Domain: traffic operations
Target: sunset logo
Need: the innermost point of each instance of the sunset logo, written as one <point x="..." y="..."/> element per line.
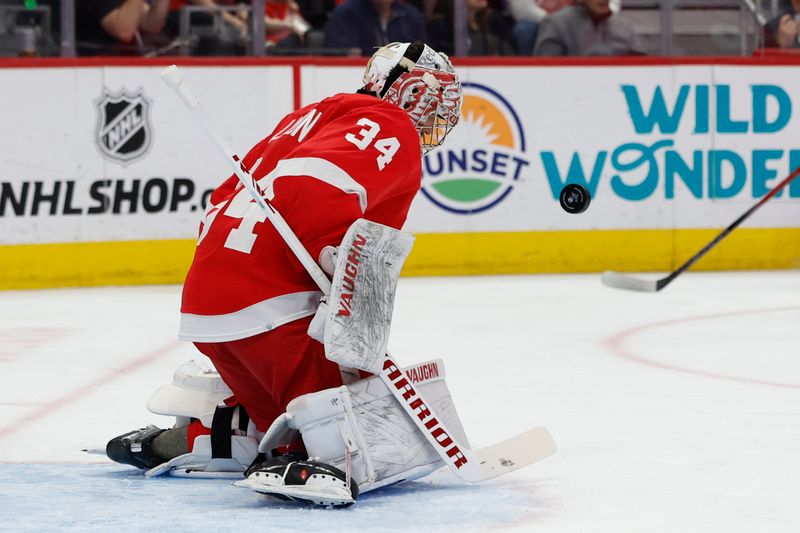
<point x="483" y="158"/>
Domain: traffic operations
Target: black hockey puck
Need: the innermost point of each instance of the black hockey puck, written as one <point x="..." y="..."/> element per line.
<point x="574" y="199"/>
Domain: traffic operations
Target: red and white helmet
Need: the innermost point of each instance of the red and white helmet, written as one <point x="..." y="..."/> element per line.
<point x="422" y="82"/>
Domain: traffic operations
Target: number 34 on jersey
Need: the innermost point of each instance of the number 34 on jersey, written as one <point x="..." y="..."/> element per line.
<point x="363" y="139"/>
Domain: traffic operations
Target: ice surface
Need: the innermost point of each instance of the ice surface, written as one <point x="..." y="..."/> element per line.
<point x="674" y="411"/>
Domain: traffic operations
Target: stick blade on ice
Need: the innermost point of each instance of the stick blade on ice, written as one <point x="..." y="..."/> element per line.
<point x="517" y="452"/>
<point x="626" y="282"/>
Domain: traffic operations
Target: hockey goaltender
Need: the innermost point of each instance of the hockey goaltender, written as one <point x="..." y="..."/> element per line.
<point x="303" y="402"/>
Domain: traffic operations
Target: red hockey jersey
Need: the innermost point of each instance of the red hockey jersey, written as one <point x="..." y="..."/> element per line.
<point x="349" y="156"/>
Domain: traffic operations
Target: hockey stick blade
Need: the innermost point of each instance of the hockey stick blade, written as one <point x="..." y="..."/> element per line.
<point x="517" y="452"/>
<point x="472" y="466"/>
<point x="622" y="281"/>
<point x="630" y="283"/>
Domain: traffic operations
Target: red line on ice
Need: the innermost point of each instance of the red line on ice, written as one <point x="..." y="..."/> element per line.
<point x="616" y="343"/>
<point x="56" y="405"/>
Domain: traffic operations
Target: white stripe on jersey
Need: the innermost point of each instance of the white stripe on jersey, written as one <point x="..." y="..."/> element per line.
<point x="317" y="168"/>
<point x="257" y="318"/>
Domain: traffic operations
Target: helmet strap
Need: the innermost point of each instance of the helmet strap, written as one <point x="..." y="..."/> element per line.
<point x="406" y="64"/>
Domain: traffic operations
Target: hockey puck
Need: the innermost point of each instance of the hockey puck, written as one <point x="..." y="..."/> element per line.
<point x="574" y="199"/>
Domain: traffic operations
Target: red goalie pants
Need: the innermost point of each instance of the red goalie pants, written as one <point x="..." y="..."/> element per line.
<point x="267" y="371"/>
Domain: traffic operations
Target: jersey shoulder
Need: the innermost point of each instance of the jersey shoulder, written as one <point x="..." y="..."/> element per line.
<point x="365" y="106"/>
<point x="353" y="131"/>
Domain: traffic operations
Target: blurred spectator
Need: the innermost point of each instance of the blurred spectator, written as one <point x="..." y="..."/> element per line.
<point x="528" y="15"/>
<point x="283" y="22"/>
<point x="588" y="28"/>
<point x="115" y="27"/>
<point x="551" y="6"/>
<point x="315" y="12"/>
<point x="368" y="24"/>
<point x="205" y="37"/>
<point x="286" y="27"/>
<point x="489" y="31"/>
<point x="426" y="6"/>
<point x="236" y="20"/>
<point x="783" y="30"/>
<point x="29" y="28"/>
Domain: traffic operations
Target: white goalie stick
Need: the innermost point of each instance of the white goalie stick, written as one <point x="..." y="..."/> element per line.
<point x="467" y="464"/>
<point x="618" y="280"/>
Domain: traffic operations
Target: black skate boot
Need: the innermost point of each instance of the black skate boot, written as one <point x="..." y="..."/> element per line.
<point x="290" y="477"/>
<point x="135" y="448"/>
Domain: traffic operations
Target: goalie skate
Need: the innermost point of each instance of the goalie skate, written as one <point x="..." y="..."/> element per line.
<point x="134" y="448"/>
<point x="306" y="480"/>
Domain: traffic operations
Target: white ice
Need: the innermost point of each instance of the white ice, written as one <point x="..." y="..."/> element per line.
<point x="673" y="412"/>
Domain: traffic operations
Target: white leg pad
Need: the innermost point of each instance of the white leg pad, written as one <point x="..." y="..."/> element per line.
<point x="195" y="392"/>
<point x="361" y="428"/>
<point x="201" y="463"/>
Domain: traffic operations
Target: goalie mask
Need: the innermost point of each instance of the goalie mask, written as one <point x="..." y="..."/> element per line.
<point x="420" y="81"/>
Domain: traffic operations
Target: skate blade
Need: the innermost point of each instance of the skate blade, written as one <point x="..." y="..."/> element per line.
<point x="328" y="496"/>
<point x="94" y="450"/>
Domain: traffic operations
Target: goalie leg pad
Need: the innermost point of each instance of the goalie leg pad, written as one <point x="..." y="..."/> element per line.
<point x="226" y="452"/>
<point x="361" y="428"/>
<point x="196" y="393"/>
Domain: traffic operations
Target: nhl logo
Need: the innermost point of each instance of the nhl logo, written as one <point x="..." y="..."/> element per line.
<point x="123" y="128"/>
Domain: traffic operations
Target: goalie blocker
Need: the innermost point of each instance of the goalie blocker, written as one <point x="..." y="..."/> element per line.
<point x="354" y="322"/>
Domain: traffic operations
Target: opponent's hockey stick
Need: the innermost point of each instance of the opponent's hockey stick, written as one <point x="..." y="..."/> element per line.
<point x="631" y="283"/>
<point x="469" y="465"/>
